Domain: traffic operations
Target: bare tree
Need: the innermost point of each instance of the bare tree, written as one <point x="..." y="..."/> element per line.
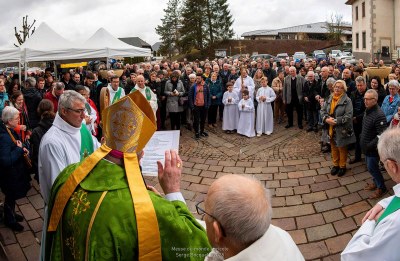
<point x="26" y="31"/>
<point x="335" y="26"/>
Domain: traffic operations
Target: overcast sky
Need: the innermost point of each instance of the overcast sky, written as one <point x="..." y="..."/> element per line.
<point x="79" y="19"/>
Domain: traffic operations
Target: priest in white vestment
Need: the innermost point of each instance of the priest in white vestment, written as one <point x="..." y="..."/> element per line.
<point x="237" y="212"/>
<point x="115" y="91"/>
<point x="379" y="235"/>
<point x="244" y="82"/>
<point x="265" y="117"/>
<point x="65" y="143"/>
<point x="146" y="91"/>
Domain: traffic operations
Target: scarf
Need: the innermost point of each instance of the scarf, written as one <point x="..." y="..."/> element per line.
<point x="335" y="100"/>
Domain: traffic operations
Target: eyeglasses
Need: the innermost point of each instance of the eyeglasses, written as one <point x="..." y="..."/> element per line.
<point x="80" y="111"/>
<point x="202" y="212"/>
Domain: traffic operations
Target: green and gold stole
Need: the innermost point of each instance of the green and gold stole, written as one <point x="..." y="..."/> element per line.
<point x="393" y="206"/>
<point x="86" y="142"/>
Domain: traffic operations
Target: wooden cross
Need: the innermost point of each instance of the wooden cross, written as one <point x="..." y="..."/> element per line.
<point x="240" y="47"/>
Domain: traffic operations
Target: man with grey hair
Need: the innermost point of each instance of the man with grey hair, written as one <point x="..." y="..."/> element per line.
<point x="378" y="237"/>
<point x="374" y="123"/>
<point x="293" y="97"/>
<point x="311" y="104"/>
<point x="68" y="141"/>
<point x="238" y="221"/>
<point x="357" y="98"/>
<point x="32" y="99"/>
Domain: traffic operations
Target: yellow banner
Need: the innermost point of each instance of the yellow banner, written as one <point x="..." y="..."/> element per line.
<point x="73" y="65"/>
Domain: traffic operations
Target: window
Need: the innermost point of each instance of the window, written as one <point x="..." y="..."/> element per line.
<point x="363" y="9"/>
<point x="356" y="11"/>
<point x="357" y="40"/>
<point x="364" y="40"/>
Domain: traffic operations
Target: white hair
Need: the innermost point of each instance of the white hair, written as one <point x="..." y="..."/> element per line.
<point x="8" y="114"/>
<point x="394" y="83"/>
<point x="67" y="98"/>
<point x="330" y="80"/>
<point x="244" y="217"/>
<point x="388" y="145"/>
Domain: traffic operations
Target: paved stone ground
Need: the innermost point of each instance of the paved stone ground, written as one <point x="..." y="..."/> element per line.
<point x="321" y="212"/>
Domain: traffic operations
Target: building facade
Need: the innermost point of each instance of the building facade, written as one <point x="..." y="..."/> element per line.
<point x="312" y="31"/>
<point x="376" y="29"/>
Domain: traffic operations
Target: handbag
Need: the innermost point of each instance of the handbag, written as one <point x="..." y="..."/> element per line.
<point x="27" y="159"/>
<point x="183" y="100"/>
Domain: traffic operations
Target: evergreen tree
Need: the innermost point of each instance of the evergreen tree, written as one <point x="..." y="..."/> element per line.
<point x="223" y="21"/>
<point x="169" y="28"/>
<point x="193" y="25"/>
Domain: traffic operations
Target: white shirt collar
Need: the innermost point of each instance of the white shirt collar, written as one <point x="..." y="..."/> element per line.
<point x="396" y="190"/>
<point x="61" y="124"/>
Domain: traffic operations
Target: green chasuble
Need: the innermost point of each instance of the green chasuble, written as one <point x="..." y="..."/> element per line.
<point x="99" y="222"/>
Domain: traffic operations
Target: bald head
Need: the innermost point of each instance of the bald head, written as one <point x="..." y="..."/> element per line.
<point x="243" y="207"/>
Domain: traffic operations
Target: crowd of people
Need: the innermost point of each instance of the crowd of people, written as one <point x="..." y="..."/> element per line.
<point x="47" y="124"/>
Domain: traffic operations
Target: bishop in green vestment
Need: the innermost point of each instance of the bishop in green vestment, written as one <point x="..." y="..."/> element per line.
<point x="101" y="210"/>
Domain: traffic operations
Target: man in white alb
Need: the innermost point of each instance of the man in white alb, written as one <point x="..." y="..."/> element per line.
<point x="66" y="142"/>
<point x="115" y="91"/>
<point x="244" y="82"/>
<point x="379" y="236"/>
<point x="146" y="91"/>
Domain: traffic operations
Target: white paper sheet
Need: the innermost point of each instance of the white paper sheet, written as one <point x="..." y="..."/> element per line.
<point x="155" y="150"/>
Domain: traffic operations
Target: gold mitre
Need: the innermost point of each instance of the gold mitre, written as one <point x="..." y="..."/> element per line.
<point x="129" y="123"/>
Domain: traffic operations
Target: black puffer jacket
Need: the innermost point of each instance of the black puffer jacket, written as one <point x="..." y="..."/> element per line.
<point x="374" y="123"/>
<point x="36" y="137"/>
<point x="32" y="99"/>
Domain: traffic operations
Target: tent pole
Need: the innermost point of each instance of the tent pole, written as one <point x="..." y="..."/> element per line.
<point x="55" y="70"/>
<point x="26" y="71"/>
<point x="19" y="72"/>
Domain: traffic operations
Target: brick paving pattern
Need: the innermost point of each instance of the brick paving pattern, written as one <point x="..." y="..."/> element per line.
<point x="321" y="212"/>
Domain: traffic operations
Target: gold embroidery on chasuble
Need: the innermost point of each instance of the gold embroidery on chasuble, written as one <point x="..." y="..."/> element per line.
<point x="80" y="202"/>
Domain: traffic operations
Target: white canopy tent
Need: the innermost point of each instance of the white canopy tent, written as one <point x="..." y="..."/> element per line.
<point x="47" y="45"/>
<point x="10" y="55"/>
<point x="109" y="46"/>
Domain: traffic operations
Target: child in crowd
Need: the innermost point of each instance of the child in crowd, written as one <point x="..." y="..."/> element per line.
<point x="231" y="110"/>
<point x="265" y="118"/>
<point x="246" y="117"/>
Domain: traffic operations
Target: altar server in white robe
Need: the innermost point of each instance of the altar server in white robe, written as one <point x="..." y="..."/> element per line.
<point x="265" y="118"/>
<point x="231" y="110"/>
<point x="246" y="117"/>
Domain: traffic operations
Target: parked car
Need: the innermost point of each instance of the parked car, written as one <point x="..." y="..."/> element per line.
<point x="280" y="56"/>
<point x="297" y="56"/>
<point x="317" y="52"/>
<point x="348" y="57"/>
<point x="320" y="57"/>
<point x="262" y="56"/>
<point x="334" y="53"/>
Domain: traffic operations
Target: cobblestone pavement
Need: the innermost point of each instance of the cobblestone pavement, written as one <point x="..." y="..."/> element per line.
<point x="321" y="212"/>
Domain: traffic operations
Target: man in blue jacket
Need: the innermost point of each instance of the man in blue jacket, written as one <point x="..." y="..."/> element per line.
<point x="199" y="102"/>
